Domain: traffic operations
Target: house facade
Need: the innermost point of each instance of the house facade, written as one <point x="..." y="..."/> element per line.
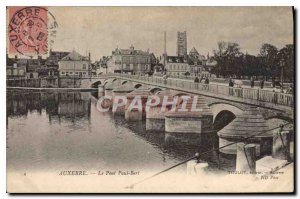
<point x="130" y="61"/>
<point x="176" y="66"/>
<point x="74" y="64"/>
<point x="197" y="63"/>
<point x="23" y="67"/>
<point x="52" y="61"/>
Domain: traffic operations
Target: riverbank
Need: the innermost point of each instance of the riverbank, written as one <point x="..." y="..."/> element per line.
<point x="50" y="89"/>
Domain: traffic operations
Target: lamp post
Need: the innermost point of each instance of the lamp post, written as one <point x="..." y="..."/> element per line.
<point x="74" y="76"/>
<point x="281" y="76"/>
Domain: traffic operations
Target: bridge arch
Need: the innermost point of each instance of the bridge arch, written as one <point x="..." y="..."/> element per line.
<point x="155" y="90"/>
<point x="222" y="119"/>
<point x="105" y="82"/>
<point x="223" y="114"/>
<point x="109" y="80"/>
<point x="180" y="100"/>
<point x="138" y="85"/>
<point x="96" y="84"/>
<point x="181" y="94"/>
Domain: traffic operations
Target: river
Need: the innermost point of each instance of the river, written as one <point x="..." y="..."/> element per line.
<point x="65" y="131"/>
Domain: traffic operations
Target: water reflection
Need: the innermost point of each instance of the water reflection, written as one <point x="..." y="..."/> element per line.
<point x="182" y="146"/>
<point x="70" y="106"/>
<point x="65" y="130"/>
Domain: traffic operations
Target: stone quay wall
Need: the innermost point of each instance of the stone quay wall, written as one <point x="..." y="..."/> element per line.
<point x="45" y="83"/>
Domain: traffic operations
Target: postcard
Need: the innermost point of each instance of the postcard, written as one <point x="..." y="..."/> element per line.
<point x="150" y="99"/>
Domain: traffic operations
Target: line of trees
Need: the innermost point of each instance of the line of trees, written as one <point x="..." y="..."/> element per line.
<point x="231" y="62"/>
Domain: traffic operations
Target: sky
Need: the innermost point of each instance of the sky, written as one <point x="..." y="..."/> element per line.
<point x="100" y="30"/>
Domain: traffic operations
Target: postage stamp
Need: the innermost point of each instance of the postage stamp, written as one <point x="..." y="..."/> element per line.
<point x="30" y="30"/>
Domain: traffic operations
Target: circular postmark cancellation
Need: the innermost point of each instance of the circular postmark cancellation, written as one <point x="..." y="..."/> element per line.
<point x="31" y="30"/>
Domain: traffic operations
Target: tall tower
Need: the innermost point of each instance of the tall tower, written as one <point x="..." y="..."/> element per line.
<point x="181" y="44"/>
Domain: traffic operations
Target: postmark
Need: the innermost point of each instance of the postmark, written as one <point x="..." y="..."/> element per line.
<point x="31" y="30"/>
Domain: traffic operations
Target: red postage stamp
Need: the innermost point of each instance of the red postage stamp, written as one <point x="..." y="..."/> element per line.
<point x="28" y="30"/>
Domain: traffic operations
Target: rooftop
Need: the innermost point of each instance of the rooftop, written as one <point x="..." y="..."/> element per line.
<point x="176" y="59"/>
<point x="74" y="56"/>
<point x="130" y="51"/>
<point x="194" y="51"/>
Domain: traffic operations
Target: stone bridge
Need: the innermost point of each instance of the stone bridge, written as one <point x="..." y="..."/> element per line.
<point x="93" y="81"/>
<point x="225" y="102"/>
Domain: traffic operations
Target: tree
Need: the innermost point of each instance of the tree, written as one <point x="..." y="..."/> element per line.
<point x="227" y="56"/>
<point x="286" y="55"/>
<point x="268" y="63"/>
<point x="251" y="66"/>
<point x="269" y="60"/>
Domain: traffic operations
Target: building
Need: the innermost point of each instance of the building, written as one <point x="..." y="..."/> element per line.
<point x="13" y="70"/>
<point x="101" y="66"/>
<point x="34" y="67"/>
<point x="210" y="64"/>
<point x="193" y="64"/>
<point x="51" y="67"/>
<point x="196" y="68"/>
<point x="176" y="66"/>
<point x="181" y="44"/>
<point x="24" y="67"/>
<point x="130" y="61"/>
<point x="197" y="63"/>
<point x="194" y="54"/>
<point x="74" y="64"/>
<point x="55" y="56"/>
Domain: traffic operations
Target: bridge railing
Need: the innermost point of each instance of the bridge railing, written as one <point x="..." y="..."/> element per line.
<point x="245" y="93"/>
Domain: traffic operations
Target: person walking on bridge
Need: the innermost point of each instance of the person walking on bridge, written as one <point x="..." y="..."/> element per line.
<point x="165" y="78"/>
<point x="206" y="80"/>
<point x="196" y="81"/>
<point x="262" y="82"/>
<point x="252" y="82"/>
<point x="231" y="83"/>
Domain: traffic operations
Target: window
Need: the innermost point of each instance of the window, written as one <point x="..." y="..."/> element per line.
<point x="83" y="73"/>
<point x="84" y="66"/>
<point x="62" y="73"/>
<point x="76" y="73"/>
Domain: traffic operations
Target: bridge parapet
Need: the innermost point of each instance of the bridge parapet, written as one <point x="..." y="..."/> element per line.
<point x="252" y="94"/>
